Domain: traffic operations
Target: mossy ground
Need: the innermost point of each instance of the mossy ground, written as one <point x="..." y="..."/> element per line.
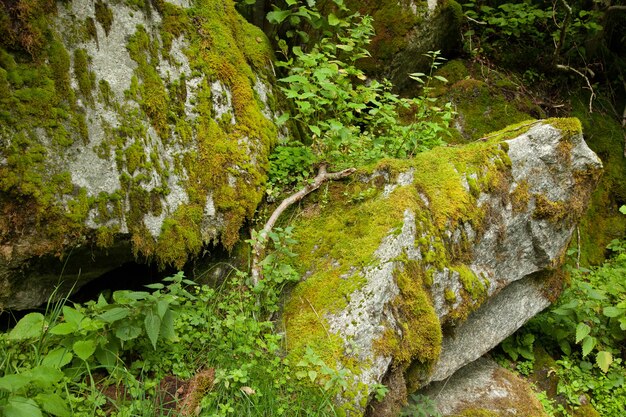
<point x="38" y="102"/>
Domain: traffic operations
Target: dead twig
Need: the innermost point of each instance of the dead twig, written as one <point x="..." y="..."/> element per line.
<point x="258" y="250"/>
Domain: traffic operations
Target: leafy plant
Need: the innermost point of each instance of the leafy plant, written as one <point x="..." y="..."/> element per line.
<point x="420" y="406"/>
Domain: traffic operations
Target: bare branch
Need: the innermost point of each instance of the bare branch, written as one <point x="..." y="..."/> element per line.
<point x="568" y="15"/>
<point x="616" y="7"/>
<point x="589" y="86"/>
<point x="258" y="250"/>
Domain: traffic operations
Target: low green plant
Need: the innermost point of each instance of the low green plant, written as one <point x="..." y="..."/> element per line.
<point x="346" y="118"/>
<point x="420" y="406"/>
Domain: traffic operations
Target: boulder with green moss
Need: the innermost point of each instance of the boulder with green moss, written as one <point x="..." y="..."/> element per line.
<point x="415" y="268"/>
<point x="131" y="127"/>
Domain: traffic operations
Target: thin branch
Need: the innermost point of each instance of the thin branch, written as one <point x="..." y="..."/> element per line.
<point x="258" y="250"/>
<point x="593" y="93"/>
<point x="616" y="7"/>
<point x="568" y="15"/>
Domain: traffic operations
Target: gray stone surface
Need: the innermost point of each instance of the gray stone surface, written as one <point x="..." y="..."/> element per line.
<point x="484" y="385"/>
<point x="493" y="322"/>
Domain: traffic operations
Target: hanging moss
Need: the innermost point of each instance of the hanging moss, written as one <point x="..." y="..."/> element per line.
<point x="104" y="16"/>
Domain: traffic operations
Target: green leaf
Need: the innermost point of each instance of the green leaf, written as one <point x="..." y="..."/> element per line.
<point x="167" y="326"/>
<point x="58" y="358"/>
<point x="582" y="330"/>
<point x="29" y="327"/>
<point x="152" y="323"/>
<point x="613" y="311"/>
<point x="72" y="315"/>
<point x="333" y="20"/>
<point x="84" y="348"/>
<point x="162" y="307"/>
<point x="588" y="345"/>
<point x="604" y="360"/>
<point x="278" y="16"/>
<point x="53" y="404"/>
<point x="312" y="375"/>
<point x="127" y="331"/>
<point x="622" y="209"/>
<point x="294" y="79"/>
<point x="280" y="120"/>
<point x="13" y="383"/>
<point x="315" y="130"/>
<point x="157" y="286"/>
<point x="21" y="407"/>
<point x="106" y="357"/>
<point x="45" y="376"/>
<point x="63" y="329"/>
<point x="114" y="314"/>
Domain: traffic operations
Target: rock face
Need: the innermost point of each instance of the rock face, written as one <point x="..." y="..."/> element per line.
<point x="420" y="267"/>
<point x="484" y="388"/>
<point x="138" y="124"/>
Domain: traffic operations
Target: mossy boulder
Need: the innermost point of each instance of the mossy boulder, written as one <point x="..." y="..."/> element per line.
<point x="415" y="268"/>
<point x="137" y="124"/>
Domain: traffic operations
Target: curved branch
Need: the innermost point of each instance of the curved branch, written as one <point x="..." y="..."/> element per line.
<point x="258" y="250"/>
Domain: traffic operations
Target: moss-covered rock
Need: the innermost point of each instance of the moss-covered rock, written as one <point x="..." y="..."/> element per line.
<point x="388" y="278"/>
<point x="138" y="121"/>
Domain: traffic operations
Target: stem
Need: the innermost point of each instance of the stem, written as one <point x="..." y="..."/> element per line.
<point x="568" y="15"/>
<point x="258" y="250"/>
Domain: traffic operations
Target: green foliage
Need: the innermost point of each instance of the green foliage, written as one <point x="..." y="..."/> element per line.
<point x="587" y="329"/>
<point x="420" y="406"/>
<point x="350" y="119"/>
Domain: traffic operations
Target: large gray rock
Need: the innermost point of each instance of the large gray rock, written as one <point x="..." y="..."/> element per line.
<point x="424" y="265"/>
<point x="141" y="129"/>
<point x="484" y="386"/>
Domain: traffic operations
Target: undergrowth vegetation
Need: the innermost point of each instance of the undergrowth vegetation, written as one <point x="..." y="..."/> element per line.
<point x="585" y="333"/>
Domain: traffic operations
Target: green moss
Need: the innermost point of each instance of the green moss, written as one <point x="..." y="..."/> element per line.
<point x="520" y="197"/>
<point x="393" y="22"/>
<point x="104" y="16"/>
<point x="545" y="209"/>
<point x="586" y="410"/>
<point x="86" y="78"/>
<point x="602" y="222"/>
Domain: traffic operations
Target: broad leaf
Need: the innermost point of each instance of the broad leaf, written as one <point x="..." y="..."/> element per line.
<point x="604" y="360"/>
<point x="114" y="314"/>
<point x="333" y="20"/>
<point x="588" y="345"/>
<point x="63" y="329"/>
<point x="153" y="327"/>
<point x="72" y="315"/>
<point x="84" y="348"/>
<point x="127" y="331"/>
<point x="13" y="383"/>
<point x="277" y="16"/>
<point x="167" y="326"/>
<point x="582" y="330"/>
<point x="613" y="311"/>
<point x="53" y="404"/>
<point x="29" y="327"/>
<point x="58" y="358"/>
<point x="21" y="407"/>
<point x="45" y="376"/>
